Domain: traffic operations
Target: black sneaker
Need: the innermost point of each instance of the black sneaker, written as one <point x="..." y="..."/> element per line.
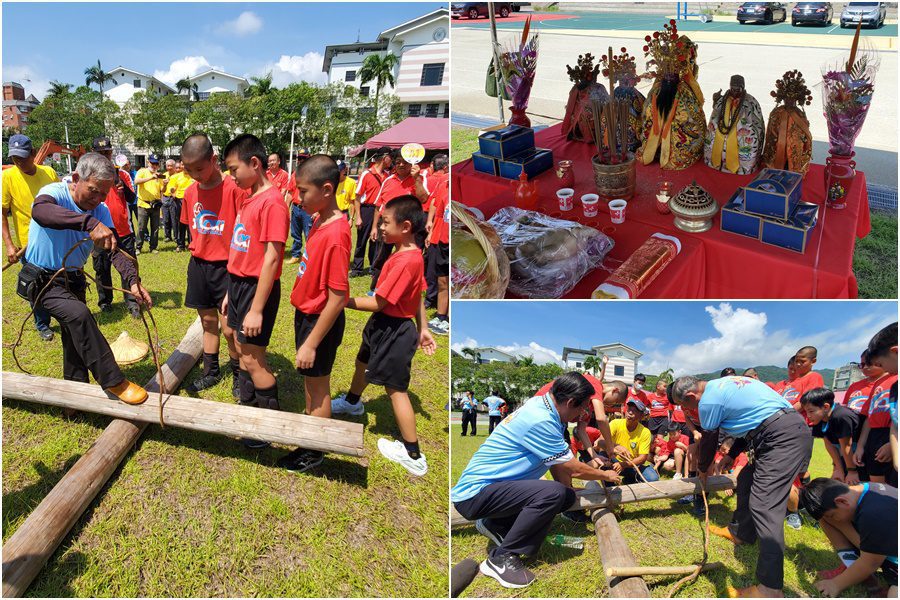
<point x="576" y="516"/>
<point x="46" y="335"/>
<point x="254" y="444"/>
<point x="301" y="460"/>
<point x="135" y="313"/>
<point x="508" y="570"/>
<point x="355" y="274"/>
<point x="235" y="387"/>
<point x="205" y="382"/>
<point x="105" y="308"/>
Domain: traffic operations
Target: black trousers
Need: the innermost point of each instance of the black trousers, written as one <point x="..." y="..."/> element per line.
<point x="469" y="417"/>
<point x="781" y="452"/>
<point x="148" y="216"/>
<point x="84" y="347"/>
<point x="520" y="511"/>
<point x="493" y="421"/>
<point x="431" y="278"/>
<point x="382" y="253"/>
<point x="367" y="214"/>
<point x="103" y="270"/>
<point x="172" y="221"/>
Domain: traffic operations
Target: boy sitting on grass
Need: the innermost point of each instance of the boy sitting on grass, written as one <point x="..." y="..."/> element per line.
<point x="390" y="337"/>
<point x="672" y="453"/>
<point x="319" y="295"/>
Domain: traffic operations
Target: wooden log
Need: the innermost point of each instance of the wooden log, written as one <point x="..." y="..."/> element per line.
<point x="27" y="550"/>
<point x="641" y="571"/>
<point x="196" y="414"/>
<point x="614" y="552"/>
<point x="626" y="494"/>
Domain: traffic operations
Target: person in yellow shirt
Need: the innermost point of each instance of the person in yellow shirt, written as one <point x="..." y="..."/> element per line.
<point x="178" y="183"/>
<point x="150" y="184"/>
<point x="632" y="444"/>
<point x="21" y="183"/>
<point x="346" y="191"/>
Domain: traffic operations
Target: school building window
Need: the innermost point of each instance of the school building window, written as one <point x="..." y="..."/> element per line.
<point x="364" y="91"/>
<point x="202" y="95"/>
<point x="578" y="365"/>
<point x="619" y="371"/>
<point x="431" y="110"/>
<point x="137" y="83"/>
<point x="350" y="76"/>
<point x="432" y="74"/>
<point x="415" y="110"/>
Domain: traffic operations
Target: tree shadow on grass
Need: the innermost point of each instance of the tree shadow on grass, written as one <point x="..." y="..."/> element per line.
<point x="161" y="301"/>
<point x="19" y="503"/>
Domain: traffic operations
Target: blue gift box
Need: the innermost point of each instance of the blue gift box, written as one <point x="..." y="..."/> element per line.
<point x="735" y="220"/>
<point x="507" y="142"/>
<point x="485" y="164"/>
<point x="793" y="233"/>
<point x="774" y="193"/>
<point x="533" y="162"/>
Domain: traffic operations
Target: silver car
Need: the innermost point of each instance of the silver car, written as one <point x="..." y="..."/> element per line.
<point x="869" y="13"/>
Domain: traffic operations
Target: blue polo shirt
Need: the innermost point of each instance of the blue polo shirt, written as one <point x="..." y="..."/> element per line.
<point x="468" y="404"/>
<point x="47" y="247"/>
<point x="524" y="446"/>
<point x="494" y="403"/>
<point x="738" y="404"/>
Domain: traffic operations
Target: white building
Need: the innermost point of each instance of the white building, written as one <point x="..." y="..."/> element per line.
<point x="422" y="76"/>
<point x="621" y="366"/>
<point x="489" y="354"/>
<point x="214" y="81"/>
<point x="126" y="83"/>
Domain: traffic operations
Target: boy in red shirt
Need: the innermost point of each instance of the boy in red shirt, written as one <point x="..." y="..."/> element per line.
<point x="319" y="295"/>
<point x="806" y="379"/>
<point x="390" y="337"/>
<point x="659" y="410"/>
<point x="208" y="211"/>
<point x="438" y="254"/>
<point x="673" y="452"/>
<point x="254" y="269"/>
<point x="367" y="187"/>
<point x="859" y="391"/>
<point x="873" y="450"/>
<point x="792" y="375"/>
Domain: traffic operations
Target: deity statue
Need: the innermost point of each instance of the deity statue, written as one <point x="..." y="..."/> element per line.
<point x="736" y="131"/>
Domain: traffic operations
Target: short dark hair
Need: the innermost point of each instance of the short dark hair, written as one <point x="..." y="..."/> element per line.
<point x="621" y="387"/>
<point x="818" y="397"/>
<point x="792" y="359"/>
<point x="408" y="208"/>
<point x="572" y="386"/>
<point x="727" y="371"/>
<point x="495" y="393"/>
<point x="320" y="169"/>
<point x="674" y="426"/>
<point x="276" y="153"/>
<point x="439" y="161"/>
<point x="748" y="369"/>
<point x="640" y="377"/>
<point x="197" y="145"/>
<point x="809" y="351"/>
<point x="818" y="497"/>
<point x="864" y="358"/>
<point x="246" y="146"/>
<point x="882" y="341"/>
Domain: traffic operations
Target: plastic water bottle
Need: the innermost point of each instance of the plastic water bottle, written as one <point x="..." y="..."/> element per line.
<point x="566" y="541"/>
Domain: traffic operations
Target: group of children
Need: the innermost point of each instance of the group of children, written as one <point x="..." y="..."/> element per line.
<point x="239" y="227"/>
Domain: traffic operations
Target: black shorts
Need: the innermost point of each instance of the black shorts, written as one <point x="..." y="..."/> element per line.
<point x="387" y="349"/>
<point x="658" y="425"/>
<point x="240" y="298"/>
<point x="327" y="350"/>
<point x="207" y="283"/>
<point x="438" y="259"/>
<point x="878" y="437"/>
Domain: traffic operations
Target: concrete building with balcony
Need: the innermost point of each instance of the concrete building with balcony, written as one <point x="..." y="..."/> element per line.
<point x="214" y="81"/>
<point x="621" y="366"/>
<point x="16" y="106"/>
<point x="127" y="82"/>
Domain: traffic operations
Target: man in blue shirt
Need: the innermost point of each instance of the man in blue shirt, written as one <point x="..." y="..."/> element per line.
<point x="780" y="446"/>
<point x="64" y="215"/>
<point x="469" y="413"/>
<point x="502" y="489"/>
<point x="494" y="402"/>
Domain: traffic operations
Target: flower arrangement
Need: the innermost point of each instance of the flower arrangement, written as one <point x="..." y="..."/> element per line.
<point x="846" y="97"/>
<point x="667" y="53"/>
<point x="518" y="63"/>
<point x="791" y="89"/>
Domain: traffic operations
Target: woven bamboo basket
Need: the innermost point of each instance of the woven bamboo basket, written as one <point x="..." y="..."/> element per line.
<point x="495" y="273"/>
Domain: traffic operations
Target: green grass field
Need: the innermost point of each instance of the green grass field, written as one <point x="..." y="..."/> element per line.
<point x="659" y="533"/>
<point x="874" y="261"/>
<point x="193" y="514"/>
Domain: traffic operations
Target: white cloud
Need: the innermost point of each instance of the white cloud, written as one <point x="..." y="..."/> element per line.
<point x="184" y="67"/>
<point x="247" y="23"/>
<point x="466" y="343"/>
<point x="294" y="69"/>
<point x="31" y="80"/>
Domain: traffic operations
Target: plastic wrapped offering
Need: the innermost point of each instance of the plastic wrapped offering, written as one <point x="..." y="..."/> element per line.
<point x="641" y="268"/>
<point x="547" y="256"/>
<point x="479" y="267"/>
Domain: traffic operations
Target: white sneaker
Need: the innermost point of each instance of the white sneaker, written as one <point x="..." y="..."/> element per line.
<point x="340" y="406"/>
<point x="677" y="476"/>
<point x="434" y="322"/>
<point x="396" y="451"/>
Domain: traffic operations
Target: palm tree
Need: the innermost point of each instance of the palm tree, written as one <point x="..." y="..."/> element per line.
<point x="96" y="74"/>
<point x="472" y="353"/>
<point x="592" y="364"/>
<point x="58" y="89"/>
<point x="668" y="375"/>
<point x="525" y="361"/>
<point x="379" y="69"/>
<point x="185" y="85"/>
<point x="260" y="86"/>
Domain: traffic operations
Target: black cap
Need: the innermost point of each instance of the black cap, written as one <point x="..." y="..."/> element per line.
<point x="102" y="144"/>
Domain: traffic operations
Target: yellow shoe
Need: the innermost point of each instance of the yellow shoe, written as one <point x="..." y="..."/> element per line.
<point x="747" y="592"/>
<point x="725" y="533"/>
<point x="293" y="260"/>
<point x="129" y="393"/>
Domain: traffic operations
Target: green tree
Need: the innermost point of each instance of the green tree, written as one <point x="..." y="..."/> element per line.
<point x="592" y="364"/>
<point x="525" y="361"/>
<point x="155" y="121"/>
<point x="84" y="110"/>
<point x="96" y="74"/>
<point x="379" y="69"/>
<point x="58" y="89"/>
<point x="260" y="86"/>
<point x="185" y="85"/>
<point x="472" y="353"/>
<point x="221" y="117"/>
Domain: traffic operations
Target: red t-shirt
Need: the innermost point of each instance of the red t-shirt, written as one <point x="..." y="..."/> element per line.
<point x="659" y="404"/>
<point x="857" y="394"/>
<point x="878" y="406"/>
<point x="324" y="265"/>
<point x="279" y="178"/>
<point x="670" y="444"/>
<point x="368" y="186"/>
<point x="637" y="395"/>
<point x="795" y="389"/>
<point x="693" y="414"/>
<point x="739" y="461"/>
<point x="434" y="181"/>
<point x="593" y="434"/>
<point x="210" y="214"/>
<point x="677" y="414"/>
<point x="118" y="211"/>
<point x="293" y="191"/>
<point x="260" y="219"/>
<point x="401" y="283"/>
<point x="440" y="229"/>
<point x="126" y="179"/>
<point x="394" y="187"/>
<point x="778" y="387"/>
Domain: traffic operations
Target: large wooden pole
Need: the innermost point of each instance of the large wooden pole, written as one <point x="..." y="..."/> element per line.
<point x="641" y="571"/>
<point x="626" y="494"/>
<point x="28" y="549"/>
<point x="196" y="414"/>
<point x="614" y="552"/>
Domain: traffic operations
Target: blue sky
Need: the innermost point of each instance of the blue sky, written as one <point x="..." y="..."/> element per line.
<point x="691" y="337"/>
<point x="57" y="41"/>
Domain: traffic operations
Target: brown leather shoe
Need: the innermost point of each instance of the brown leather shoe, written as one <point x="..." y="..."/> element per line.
<point x="724" y="532"/>
<point x="129" y="393"/>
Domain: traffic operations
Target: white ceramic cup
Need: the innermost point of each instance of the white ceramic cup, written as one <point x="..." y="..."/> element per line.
<point x="617" y="211"/>
<point x="566" y="201"/>
<point x="589" y="203"/>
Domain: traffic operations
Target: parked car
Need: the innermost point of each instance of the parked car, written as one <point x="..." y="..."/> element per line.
<point x="766" y="12"/>
<point x="870" y="13"/>
<point x="473" y="10"/>
<point x="812" y="12"/>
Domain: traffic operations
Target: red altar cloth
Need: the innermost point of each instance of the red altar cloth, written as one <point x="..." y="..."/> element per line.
<point x="735" y="267"/>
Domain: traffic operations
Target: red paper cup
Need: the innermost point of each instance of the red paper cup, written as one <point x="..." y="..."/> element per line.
<point x="566" y="199"/>
<point x="589" y="203"/>
<point x="617" y="211"/>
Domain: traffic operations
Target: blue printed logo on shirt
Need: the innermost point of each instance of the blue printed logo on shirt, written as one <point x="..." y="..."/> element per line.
<point x="301" y="268"/>
<point x="881" y="401"/>
<point x="206" y="222"/>
<point x="240" y="240"/>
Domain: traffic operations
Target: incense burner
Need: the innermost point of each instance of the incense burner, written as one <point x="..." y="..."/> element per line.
<point x="693" y="208"/>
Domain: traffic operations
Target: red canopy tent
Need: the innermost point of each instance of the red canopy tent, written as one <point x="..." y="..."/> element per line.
<point x="433" y="134"/>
